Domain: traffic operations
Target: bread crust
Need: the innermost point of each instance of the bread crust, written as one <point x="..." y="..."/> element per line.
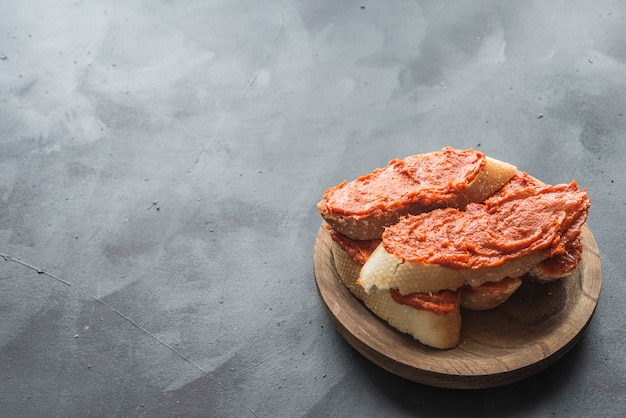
<point x="493" y="176"/>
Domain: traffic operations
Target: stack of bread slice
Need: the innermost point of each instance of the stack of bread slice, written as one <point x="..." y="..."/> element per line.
<point x="429" y="234"/>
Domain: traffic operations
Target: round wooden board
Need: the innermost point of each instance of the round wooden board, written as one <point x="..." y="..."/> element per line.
<point x="530" y="331"/>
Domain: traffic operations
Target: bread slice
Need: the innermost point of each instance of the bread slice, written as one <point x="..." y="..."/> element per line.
<point x="362" y="208"/>
<point x="433" y="329"/>
<point x="447" y="248"/>
<point x="384" y="270"/>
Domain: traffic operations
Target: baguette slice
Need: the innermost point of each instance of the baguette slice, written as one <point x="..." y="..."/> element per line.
<point x="362" y="208"/>
<point x="384" y="270"/>
<point x="447" y="248"/>
<point x="438" y="330"/>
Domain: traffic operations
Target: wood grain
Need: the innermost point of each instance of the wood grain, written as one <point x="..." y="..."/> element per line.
<point x="523" y="336"/>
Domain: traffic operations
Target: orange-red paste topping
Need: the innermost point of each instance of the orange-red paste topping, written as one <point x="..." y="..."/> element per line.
<point x="359" y="250"/>
<point x="439" y="303"/>
<point x="537" y="219"/>
<point x="521" y="185"/>
<point x="430" y="180"/>
<point x="566" y="261"/>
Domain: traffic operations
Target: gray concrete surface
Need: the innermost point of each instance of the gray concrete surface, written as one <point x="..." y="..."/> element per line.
<point x="160" y="163"/>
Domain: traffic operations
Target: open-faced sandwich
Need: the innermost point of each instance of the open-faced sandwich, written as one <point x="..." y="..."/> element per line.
<point x="426" y="236"/>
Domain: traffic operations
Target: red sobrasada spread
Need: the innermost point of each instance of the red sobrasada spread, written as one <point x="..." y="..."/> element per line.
<point x="439" y="303"/>
<point x="430" y="180"/>
<point x="358" y="250"/>
<point x="566" y="261"/>
<point x="542" y="219"/>
<point x="523" y="184"/>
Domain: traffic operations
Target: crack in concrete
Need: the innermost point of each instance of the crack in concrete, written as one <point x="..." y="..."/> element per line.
<point x="126" y="318"/>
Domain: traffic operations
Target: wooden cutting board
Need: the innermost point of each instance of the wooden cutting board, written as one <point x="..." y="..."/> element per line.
<point x="530" y="331"/>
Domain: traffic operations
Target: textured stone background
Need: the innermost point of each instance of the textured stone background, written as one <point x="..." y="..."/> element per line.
<point x="160" y="164"/>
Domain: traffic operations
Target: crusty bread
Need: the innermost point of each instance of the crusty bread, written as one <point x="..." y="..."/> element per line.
<point x="432" y="329"/>
<point x="384" y="270"/>
<point x="470" y="187"/>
